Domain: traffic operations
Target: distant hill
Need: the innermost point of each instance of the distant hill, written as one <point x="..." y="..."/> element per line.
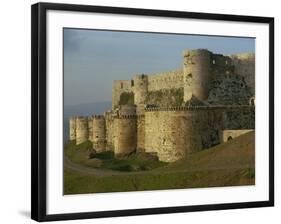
<point x="83" y="110"/>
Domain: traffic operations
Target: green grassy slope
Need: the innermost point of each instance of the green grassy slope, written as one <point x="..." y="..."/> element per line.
<point x="228" y="164"/>
<point x="237" y="153"/>
<point x="79" y="154"/>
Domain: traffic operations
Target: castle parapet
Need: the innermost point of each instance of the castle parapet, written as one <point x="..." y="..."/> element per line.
<point x="97" y="117"/>
<point x="126" y="117"/>
<point x="208" y="107"/>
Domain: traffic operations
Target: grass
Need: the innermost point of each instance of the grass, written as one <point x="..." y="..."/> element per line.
<point x="228" y="164"/>
<point x="76" y="183"/>
<point x="105" y="160"/>
<point x="165" y="97"/>
<point x="237" y="153"/>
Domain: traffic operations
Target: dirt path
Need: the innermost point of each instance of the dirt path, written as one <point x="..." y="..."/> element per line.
<point x="102" y="172"/>
<point x="88" y="170"/>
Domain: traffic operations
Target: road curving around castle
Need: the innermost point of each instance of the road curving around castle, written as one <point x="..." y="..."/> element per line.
<point x="87" y="170"/>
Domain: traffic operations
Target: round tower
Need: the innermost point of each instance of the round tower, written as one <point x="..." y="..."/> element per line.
<point x="72" y="128"/>
<point x="82" y="132"/>
<point x="196" y="70"/>
<point x="90" y="128"/>
<point x="140" y="88"/>
<point x="125" y="134"/>
<point x="98" y="133"/>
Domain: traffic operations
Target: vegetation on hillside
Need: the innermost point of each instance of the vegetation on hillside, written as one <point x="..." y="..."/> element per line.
<point x="165" y="97"/>
<point x="228" y="164"/>
<point x="83" y="154"/>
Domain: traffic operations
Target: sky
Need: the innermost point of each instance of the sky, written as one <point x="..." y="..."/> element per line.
<point x="94" y="58"/>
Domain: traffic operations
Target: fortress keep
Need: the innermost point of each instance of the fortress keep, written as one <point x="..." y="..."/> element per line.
<point x="173" y="114"/>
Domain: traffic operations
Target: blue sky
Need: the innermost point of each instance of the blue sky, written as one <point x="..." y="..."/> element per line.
<point x="94" y="58"/>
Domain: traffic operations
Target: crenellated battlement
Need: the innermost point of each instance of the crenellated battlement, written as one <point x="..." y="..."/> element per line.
<point x="199" y="107"/>
<point x="97" y="117"/>
<point x="126" y="117"/>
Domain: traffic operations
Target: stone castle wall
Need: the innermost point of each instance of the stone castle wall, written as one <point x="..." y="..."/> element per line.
<point x="140" y="88"/>
<point x="172" y="133"/>
<point x="72" y="128"/>
<point x="165" y="80"/>
<point x="90" y="129"/>
<point x="227" y="135"/>
<point x="127" y="110"/>
<point x="197" y="74"/>
<point x="229" y="89"/>
<point x="239" y="117"/>
<point x="125" y="134"/>
<point x="141" y="133"/>
<point x="119" y="87"/>
<point x="98" y="133"/>
<point x="109" y="124"/>
<point x="245" y="66"/>
<point x="175" y="133"/>
<point x="165" y="97"/>
<point x="82" y="132"/>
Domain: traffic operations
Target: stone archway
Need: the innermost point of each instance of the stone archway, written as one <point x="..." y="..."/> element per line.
<point x="229" y="138"/>
<point x="252" y="101"/>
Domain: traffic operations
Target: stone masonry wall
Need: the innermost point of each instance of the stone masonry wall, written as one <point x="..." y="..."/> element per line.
<point x="109" y="122"/>
<point x="226" y="135"/>
<point x="165" y="80"/>
<point x="72" y="128"/>
<point x="90" y="129"/>
<point x="229" y="89"/>
<point x="237" y="118"/>
<point x="119" y="87"/>
<point x="125" y="134"/>
<point x="140" y="133"/>
<point x="82" y="133"/>
<point x="197" y="74"/>
<point x="174" y="134"/>
<point x="98" y="133"/>
<point x="165" y="98"/>
<point x="245" y="66"/>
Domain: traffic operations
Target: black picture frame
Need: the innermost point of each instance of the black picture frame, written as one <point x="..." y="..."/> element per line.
<point x="38" y="116"/>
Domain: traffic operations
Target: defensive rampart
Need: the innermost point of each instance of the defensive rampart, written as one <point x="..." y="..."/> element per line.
<point x="175" y="133"/>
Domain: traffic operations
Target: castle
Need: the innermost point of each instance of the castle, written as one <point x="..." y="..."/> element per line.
<point x="209" y="100"/>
